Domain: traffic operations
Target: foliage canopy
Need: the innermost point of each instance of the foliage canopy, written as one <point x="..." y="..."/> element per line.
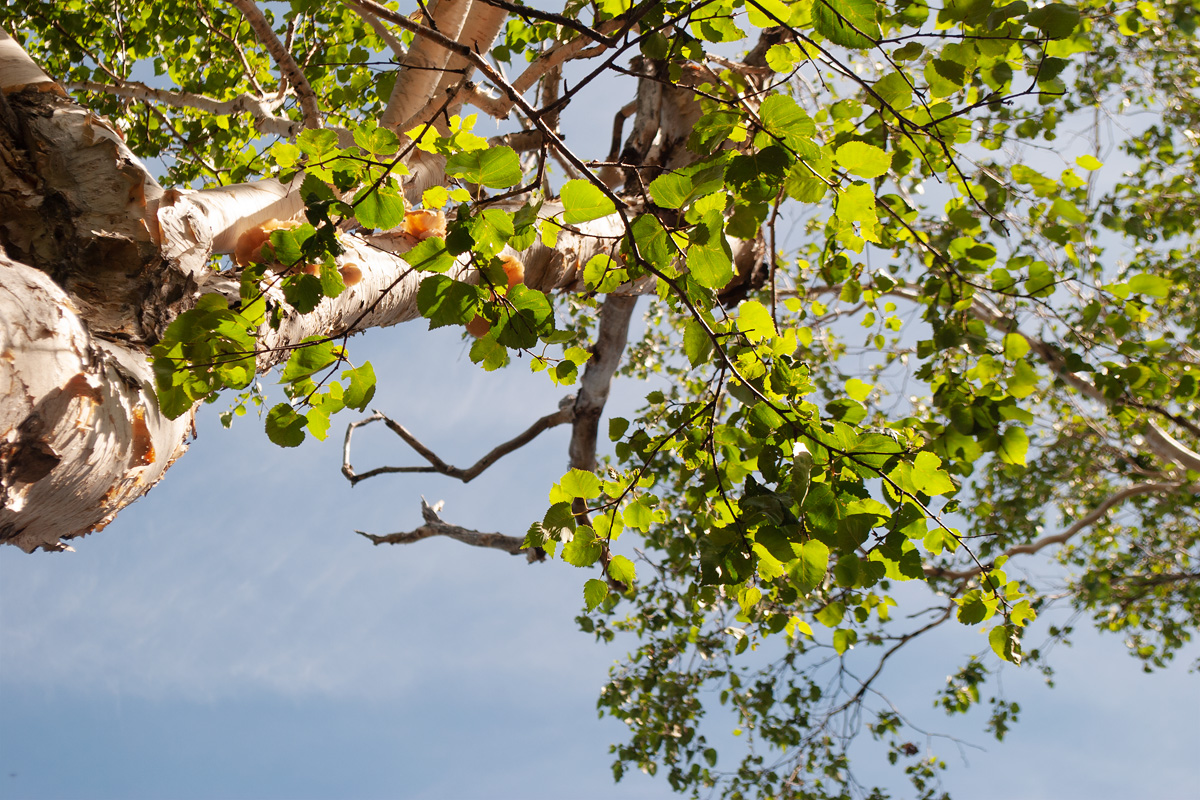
<point x="971" y="340"/>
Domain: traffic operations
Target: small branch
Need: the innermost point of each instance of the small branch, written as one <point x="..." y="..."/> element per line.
<point x="472" y="94"/>
<point x="565" y="413"/>
<point x="434" y="526"/>
<point x="528" y="13"/>
<point x="558" y="55"/>
<point x="1094" y="516"/>
<point x="283" y="59"/>
<point x="905" y="639"/>
<point x="260" y="110"/>
<point x="216" y="31"/>
<point x="381" y="31"/>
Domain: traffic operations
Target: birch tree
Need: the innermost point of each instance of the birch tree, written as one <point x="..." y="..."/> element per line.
<point x="917" y="289"/>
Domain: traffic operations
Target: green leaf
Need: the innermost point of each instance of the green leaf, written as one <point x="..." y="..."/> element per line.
<point x="447" y="302"/>
<point x="895" y="90"/>
<point x="284" y="426"/>
<point x="857" y="204"/>
<point x="495" y="168"/>
<point x="809" y="179"/>
<point x="1056" y="20"/>
<point x="285" y="154"/>
<point x="578" y="483"/>
<point x="594" y="592"/>
<point x="652" y="240"/>
<point x="697" y="345"/>
<point x="864" y="160"/>
<point x="928" y="476"/>
<point x="1150" y="285"/>
<point x="973" y="608"/>
<point x="381" y="209"/>
<point x="362" y="386"/>
<point x="671" y="189"/>
<point x="808" y="570"/>
<point x="843" y="640"/>
<point x="1015" y="346"/>
<point x="784" y="118"/>
<point x="317" y="142"/>
<point x="1006" y="643"/>
<point x="584" y="549"/>
<point x="317" y="422"/>
<point x="754" y="321"/>
<point x="709" y="257"/>
<point x="1013" y="446"/>
<point x="831" y="615"/>
<point x="637" y="514"/>
<point x="850" y="23"/>
<point x="768" y="13"/>
<point x="858" y="390"/>
<point x="622" y="569"/>
<point x="310" y="358"/>
<point x="583" y="201"/>
<point x="430" y="255"/>
<point x="602" y="274"/>
<point x="303" y="292"/>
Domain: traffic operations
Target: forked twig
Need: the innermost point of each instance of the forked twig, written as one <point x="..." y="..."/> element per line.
<point x="564" y="414"/>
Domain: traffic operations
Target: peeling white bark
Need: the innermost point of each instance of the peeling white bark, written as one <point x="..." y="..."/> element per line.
<point x="197" y="225"/>
<point x="423" y="68"/>
<point x="80" y="431"/>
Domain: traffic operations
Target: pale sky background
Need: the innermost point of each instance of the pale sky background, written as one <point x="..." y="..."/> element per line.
<point x="229" y="636"/>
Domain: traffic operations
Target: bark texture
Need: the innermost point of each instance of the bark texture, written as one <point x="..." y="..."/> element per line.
<point x="80" y="432"/>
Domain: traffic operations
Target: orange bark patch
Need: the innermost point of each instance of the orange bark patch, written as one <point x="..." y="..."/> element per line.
<point x="351" y="274"/>
<point x="420" y="225"/>
<point x="79" y="386"/>
<point x="249" y="247"/>
<point x="514" y="270"/>
<point x="141" y="448"/>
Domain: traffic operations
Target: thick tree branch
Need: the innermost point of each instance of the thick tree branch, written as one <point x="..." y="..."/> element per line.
<point x="483" y="66"/>
<point x="423" y="67"/>
<point x="594" y="386"/>
<point x="283" y="59"/>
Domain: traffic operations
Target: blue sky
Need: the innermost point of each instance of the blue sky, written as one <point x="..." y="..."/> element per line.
<point x="229" y="636"/>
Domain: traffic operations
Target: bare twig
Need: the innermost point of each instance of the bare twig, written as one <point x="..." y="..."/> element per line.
<point x="564" y="414"/>
<point x="1094" y="516"/>
<point x="434" y="526"/>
